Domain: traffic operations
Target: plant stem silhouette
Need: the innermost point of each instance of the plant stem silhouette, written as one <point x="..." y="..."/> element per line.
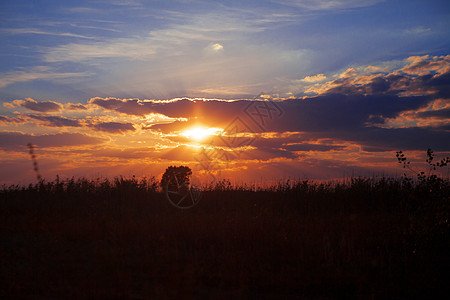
<point x="34" y="160"/>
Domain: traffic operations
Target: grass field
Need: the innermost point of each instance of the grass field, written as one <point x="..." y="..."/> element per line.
<point x="369" y="238"/>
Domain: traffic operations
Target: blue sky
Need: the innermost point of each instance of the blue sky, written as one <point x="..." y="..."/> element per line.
<point x="75" y="50"/>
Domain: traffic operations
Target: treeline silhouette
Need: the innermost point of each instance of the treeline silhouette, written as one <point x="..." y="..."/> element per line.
<point x="120" y="238"/>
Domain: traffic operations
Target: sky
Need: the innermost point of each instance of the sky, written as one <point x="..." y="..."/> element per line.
<point x="249" y="90"/>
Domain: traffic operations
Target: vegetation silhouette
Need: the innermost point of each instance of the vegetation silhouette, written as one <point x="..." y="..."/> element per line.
<point x="426" y="179"/>
<point x="177" y="189"/>
<point x="432" y="166"/>
<point x="176" y="176"/>
<point x="119" y="238"/>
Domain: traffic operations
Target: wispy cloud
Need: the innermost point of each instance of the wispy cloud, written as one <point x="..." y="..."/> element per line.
<point x="418" y="30"/>
<point x="36" y="73"/>
<point x="328" y="4"/>
<point x="175" y="39"/>
<point x="41" y="32"/>
<point x="116" y="48"/>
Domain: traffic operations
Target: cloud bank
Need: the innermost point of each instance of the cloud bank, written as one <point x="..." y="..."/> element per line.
<point x="356" y="119"/>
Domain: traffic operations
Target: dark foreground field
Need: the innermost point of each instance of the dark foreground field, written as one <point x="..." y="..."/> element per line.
<point x="122" y="239"/>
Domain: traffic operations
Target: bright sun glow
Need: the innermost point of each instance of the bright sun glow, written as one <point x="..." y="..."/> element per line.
<point x="200" y="133"/>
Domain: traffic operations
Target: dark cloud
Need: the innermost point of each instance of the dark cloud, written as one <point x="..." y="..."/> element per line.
<point x="181" y="153"/>
<point x="335" y="112"/>
<point x="54" y="121"/>
<point x="441" y="114"/>
<point x="414" y="138"/>
<point x="72" y="106"/>
<point x="392" y="84"/>
<point x="265" y="153"/>
<point x="50" y="121"/>
<point x="18" y="140"/>
<point x="42" y="106"/>
<point x="171" y="127"/>
<point x="343" y="117"/>
<point x="213" y="111"/>
<point x="6" y="120"/>
<point x="113" y="127"/>
<point x="312" y="147"/>
<point x="123" y="153"/>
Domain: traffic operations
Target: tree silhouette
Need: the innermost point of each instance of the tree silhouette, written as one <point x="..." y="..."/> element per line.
<point x="176" y="177"/>
<point x="176" y="185"/>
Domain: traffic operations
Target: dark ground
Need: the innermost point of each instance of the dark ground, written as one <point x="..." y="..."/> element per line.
<point x="122" y="239"/>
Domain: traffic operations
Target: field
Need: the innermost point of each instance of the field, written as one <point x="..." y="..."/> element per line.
<point x="120" y="238"/>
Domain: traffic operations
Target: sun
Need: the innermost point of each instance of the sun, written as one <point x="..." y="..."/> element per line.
<point x="199" y="133"/>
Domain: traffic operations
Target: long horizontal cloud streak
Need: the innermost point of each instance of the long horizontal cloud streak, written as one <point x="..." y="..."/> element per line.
<point x="18" y="140"/>
<point x="334" y="116"/>
<point x="56" y="121"/>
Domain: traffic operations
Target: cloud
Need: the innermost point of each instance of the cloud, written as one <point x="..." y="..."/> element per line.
<point x="348" y="73"/>
<point x="418" y="30"/>
<point x="422" y="75"/>
<point x="11" y="120"/>
<point x="42" y="106"/>
<point x="440" y="114"/>
<point x="164" y="42"/>
<point x="194" y="53"/>
<point x="18" y="140"/>
<point x="347" y="112"/>
<point x="424" y="65"/>
<point x="113" y="127"/>
<point x="36" y="73"/>
<point x="54" y="121"/>
<point x="118" y="48"/>
<point x="357" y="114"/>
<point x="127" y="106"/>
<point x="180" y="153"/>
<point x="71" y="106"/>
<point x="41" y="32"/>
<point x="218" y="111"/>
<point x="312" y="147"/>
<point x="328" y="4"/>
<point x="315" y="78"/>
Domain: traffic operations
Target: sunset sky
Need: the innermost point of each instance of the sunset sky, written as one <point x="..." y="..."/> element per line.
<point x="249" y="90"/>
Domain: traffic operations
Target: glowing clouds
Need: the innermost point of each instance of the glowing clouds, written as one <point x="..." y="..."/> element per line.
<point x="200" y="133"/>
<point x="43" y="106"/>
<point x="315" y="78"/>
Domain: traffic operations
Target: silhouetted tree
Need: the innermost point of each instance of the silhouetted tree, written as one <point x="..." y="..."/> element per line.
<point x="175" y="177"/>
